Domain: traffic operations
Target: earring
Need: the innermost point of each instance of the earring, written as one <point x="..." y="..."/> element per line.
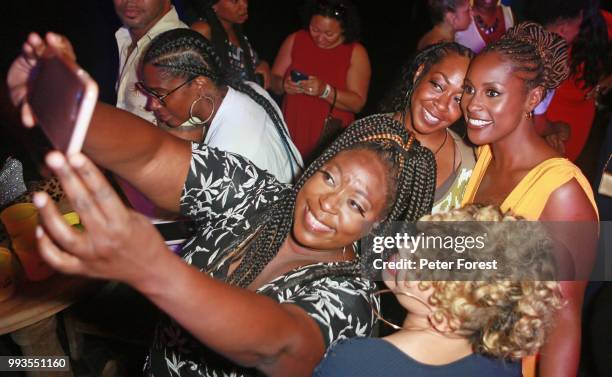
<point x="344" y="249"/>
<point x="529" y="114"/>
<point x="195" y="120"/>
<point x="380" y="317"/>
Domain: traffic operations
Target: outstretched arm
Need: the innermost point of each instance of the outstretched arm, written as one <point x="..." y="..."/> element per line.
<point x="250" y="329"/>
<point x="153" y="161"/>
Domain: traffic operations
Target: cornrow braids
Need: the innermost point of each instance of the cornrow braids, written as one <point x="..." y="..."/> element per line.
<point x="414" y="170"/>
<point x="220" y="39"/>
<point x="399" y="98"/>
<point x="186" y="53"/>
<point x="540" y="55"/>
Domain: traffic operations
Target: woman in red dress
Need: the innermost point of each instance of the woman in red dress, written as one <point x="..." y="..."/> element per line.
<point x="332" y="65"/>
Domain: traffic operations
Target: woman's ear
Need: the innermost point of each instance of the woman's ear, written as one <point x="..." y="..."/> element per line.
<point x="202" y="84"/>
<point x="536" y="95"/>
<point x="418" y="72"/>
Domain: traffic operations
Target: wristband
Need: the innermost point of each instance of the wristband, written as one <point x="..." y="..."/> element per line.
<point x="326" y="91"/>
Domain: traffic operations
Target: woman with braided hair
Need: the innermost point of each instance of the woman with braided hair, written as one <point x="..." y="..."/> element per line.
<point x="191" y="93"/>
<point x="426" y="101"/>
<point x="272" y="278"/>
<point x="519" y="171"/>
<point x="221" y="23"/>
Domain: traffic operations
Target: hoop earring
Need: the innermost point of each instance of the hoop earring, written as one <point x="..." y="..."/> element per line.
<point x="195" y="120"/>
<point x="380" y="317"/>
<point x="528" y="114"/>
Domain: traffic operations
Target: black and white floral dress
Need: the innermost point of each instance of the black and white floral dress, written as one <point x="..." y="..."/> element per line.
<point x="223" y="192"/>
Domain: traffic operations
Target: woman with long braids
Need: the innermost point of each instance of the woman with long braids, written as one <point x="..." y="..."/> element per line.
<point x="517" y="170"/>
<point x="191" y="93"/>
<point x="426" y="101"/>
<point x="221" y="23"/>
<point x="271" y="278"/>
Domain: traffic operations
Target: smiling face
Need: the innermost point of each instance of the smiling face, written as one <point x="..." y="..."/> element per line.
<point x="326" y="32"/>
<point x="495" y="98"/>
<point x="435" y="100"/>
<point x="342" y="201"/>
<point x="176" y="109"/>
<point x="232" y="11"/>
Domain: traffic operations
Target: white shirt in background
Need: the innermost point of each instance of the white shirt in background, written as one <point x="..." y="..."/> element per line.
<point x="243" y="127"/>
<point x="128" y="97"/>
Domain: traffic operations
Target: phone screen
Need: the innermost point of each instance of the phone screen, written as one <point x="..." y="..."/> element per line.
<point x="62" y="97"/>
<point x="297" y="76"/>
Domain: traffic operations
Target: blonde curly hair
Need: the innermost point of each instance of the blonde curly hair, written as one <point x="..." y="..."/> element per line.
<point x="501" y="318"/>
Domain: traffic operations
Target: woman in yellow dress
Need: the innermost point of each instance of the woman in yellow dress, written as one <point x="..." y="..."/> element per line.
<point x="517" y="170"/>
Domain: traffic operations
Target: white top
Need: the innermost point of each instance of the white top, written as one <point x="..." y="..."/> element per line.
<point x="243" y="127"/>
<point x="128" y="97"/>
<point x="472" y="39"/>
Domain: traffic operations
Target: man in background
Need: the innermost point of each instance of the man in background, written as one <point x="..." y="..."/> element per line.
<point x="142" y="21"/>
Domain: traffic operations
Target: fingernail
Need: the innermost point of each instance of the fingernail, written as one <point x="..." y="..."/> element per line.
<point x="55" y="160"/>
<point x="39" y="199"/>
<point x="53" y="37"/>
<point x="77" y="160"/>
<point x="39" y="231"/>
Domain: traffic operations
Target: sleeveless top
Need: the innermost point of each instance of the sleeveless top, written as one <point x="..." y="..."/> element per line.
<point x="237" y="60"/>
<point x="450" y="195"/>
<point x="305" y="114"/>
<point x="529" y="197"/>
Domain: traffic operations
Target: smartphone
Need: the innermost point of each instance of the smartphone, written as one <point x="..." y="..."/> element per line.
<point x="62" y="97"/>
<point x="297" y="76"/>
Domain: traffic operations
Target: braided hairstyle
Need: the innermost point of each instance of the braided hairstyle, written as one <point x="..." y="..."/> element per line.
<point x="186" y="53"/>
<point x="400" y="97"/>
<point x="590" y="49"/>
<point x="220" y="40"/>
<point x="540" y="56"/>
<point x="411" y="176"/>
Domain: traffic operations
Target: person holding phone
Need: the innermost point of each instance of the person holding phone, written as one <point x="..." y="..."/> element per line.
<point x="221" y="23"/>
<point x="320" y="67"/>
<point x="271" y="278"/>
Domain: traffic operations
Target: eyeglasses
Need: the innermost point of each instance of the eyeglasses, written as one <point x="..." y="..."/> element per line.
<point x="160" y="98"/>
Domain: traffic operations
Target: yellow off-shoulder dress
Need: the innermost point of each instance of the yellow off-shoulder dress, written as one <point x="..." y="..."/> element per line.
<point x="529" y="197"/>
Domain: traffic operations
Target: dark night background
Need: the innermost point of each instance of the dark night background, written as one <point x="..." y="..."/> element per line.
<point x="390" y="30"/>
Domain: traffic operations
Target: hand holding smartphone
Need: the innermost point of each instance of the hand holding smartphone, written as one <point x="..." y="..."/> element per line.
<point x="62" y="97"/>
<point x="297" y="76"/>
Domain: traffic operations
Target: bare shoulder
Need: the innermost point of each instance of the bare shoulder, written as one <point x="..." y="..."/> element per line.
<point x="359" y="52"/>
<point x="202" y="28"/>
<point x="569" y="202"/>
